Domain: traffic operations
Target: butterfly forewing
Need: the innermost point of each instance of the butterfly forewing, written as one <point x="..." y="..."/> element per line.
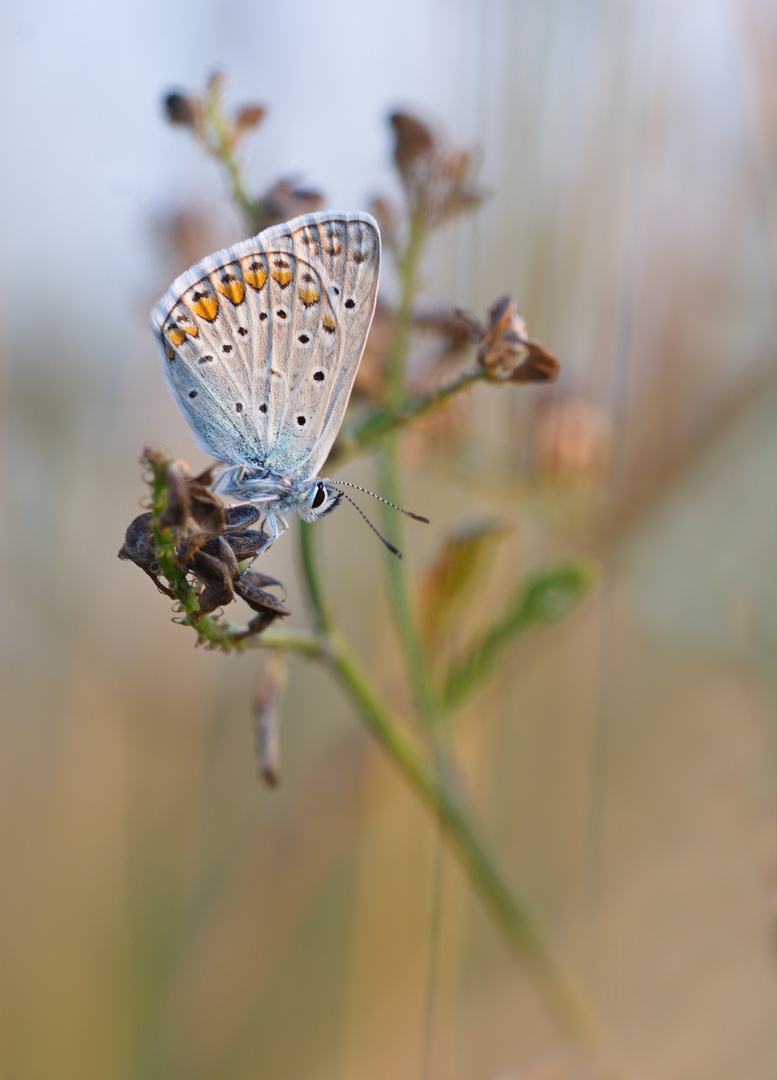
<point x="261" y="342"/>
<point x="347" y="248"/>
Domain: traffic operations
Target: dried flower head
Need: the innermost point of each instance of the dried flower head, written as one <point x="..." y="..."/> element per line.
<point x="285" y="200"/>
<point x="185" y="109"/>
<point x="438" y="184"/>
<point x="506" y="353"/>
<point x="197" y="544"/>
<point x="204" y="114"/>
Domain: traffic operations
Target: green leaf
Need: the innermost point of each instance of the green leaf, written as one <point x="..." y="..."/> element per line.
<point x="447" y="583"/>
<point x="546" y="598"/>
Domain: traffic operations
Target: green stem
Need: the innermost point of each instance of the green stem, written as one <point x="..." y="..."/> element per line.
<point x="239" y="193"/>
<point x="311" y="577"/>
<point x="394" y="392"/>
<point x="301" y="641"/>
<point x="513" y="914"/>
<point x="405" y="619"/>
<point x="219" y="142"/>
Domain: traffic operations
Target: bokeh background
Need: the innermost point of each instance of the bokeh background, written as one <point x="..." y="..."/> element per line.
<point x="162" y="914"/>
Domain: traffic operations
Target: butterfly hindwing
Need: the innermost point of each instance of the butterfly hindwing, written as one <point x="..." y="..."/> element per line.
<point x="261" y="341"/>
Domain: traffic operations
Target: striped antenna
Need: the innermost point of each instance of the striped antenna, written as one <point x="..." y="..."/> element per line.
<point x="392" y="549"/>
<point x="415" y="517"/>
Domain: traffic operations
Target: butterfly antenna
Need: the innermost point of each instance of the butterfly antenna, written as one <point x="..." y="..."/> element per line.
<point x="392" y="549"/>
<point x="415" y="517"/>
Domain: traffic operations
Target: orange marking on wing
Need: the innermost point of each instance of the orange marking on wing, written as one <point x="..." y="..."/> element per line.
<point x="204" y="305"/>
<point x="283" y="277"/>
<point x="233" y="289"/>
<point x="255" y="274"/>
<point x="309" y="295"/>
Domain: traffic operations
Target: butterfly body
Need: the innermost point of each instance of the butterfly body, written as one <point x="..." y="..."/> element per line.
<point x="261" y="343"/>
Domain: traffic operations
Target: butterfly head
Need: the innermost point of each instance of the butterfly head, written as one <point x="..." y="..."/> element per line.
<point x="320" y="499"/>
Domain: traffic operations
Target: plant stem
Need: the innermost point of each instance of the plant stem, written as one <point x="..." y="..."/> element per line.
<point x="220" y="145"/>
<point x="311" y="578"/>
<point x="426" y="698"/>
<point x="301" y="641"/>
<point x="513" y="913"/>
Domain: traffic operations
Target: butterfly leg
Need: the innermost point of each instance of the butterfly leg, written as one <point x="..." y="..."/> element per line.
<point x="274" y="525"/>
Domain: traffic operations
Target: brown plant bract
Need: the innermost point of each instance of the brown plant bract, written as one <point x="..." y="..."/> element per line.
<point x="438" y="184"/>
<point x="209" y="542"/>
<point x="506" y="353"/>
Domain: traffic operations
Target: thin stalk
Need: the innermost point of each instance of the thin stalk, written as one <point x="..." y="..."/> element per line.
<point x="405" y="619"/>
<point x="300" y="641"/>
<point x="513" y="914"/>
<point x="239" y="192"/>
<point x="394" y="392"/>
<point x="220" y="145"/>
<point x="311" y="578"/>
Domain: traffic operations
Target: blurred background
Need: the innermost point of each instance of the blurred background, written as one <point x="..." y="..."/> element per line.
<point x="163" y="914"/>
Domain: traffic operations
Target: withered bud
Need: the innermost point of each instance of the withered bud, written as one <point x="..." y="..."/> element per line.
<point x="506" y="352"/>
<point x="413" y="139"/>
<point x="247" y="118"/>
<point x="285" y="200"/>
<point x="209" y="541"/>
<point x="183" y="109"/>
<point x="439" y="184"/>
<point x="540" y="365"/>
<point x="216" y="578"/>
<point x="249" y="588"/>
<point x="195" y="512"/>
<point x="138" y="547"/>
<point x="242" y="515"/>
<point x="268" y="698"/>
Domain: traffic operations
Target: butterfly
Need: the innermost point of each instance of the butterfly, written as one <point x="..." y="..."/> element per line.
<point x="260" y="344"/>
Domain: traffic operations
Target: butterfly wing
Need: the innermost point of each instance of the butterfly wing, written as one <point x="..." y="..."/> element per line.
<point x="261" y="341"/>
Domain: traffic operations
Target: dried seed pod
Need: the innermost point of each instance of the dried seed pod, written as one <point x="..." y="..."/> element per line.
<point x="247" y="118"/>
<point x="506" y="351"/>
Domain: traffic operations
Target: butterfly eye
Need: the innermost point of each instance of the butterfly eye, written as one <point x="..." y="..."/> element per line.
<point x="319" y="497"/>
